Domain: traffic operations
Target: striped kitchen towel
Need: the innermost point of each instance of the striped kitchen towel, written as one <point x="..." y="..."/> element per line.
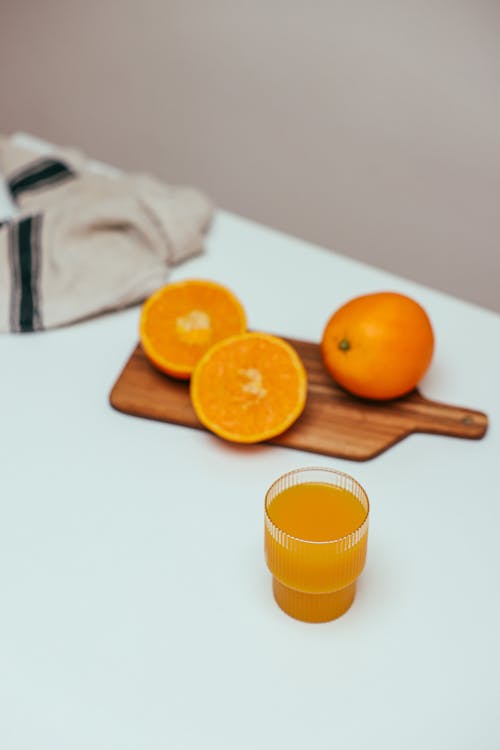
<point x="87" y="241"/>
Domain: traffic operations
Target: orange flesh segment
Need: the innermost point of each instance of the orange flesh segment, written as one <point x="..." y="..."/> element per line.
<point x="182" y="320"/>
<point x="249" y="388"/>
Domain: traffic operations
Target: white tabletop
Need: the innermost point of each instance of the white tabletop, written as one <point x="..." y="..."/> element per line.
<point x="132" y="619"/>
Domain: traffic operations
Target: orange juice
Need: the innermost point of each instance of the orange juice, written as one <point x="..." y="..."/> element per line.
<point x="315" y="542"/>
<point x="317" y="511"/>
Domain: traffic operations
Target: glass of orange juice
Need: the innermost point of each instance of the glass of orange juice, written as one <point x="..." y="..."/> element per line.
<point x="316" y="530"/>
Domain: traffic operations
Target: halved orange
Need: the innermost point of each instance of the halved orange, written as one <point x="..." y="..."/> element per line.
<point x="249" y="387"/>
<point x="182" y="320"/>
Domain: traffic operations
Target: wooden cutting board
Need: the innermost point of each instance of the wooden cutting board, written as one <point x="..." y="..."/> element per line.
<point x="333" y="422"/>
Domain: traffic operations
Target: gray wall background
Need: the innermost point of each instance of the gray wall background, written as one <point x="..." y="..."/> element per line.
<point x="370" y="127"/>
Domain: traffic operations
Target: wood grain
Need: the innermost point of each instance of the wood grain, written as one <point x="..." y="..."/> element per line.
<point x="333" y="423"/>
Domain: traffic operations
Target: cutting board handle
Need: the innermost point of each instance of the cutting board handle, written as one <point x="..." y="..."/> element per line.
<point x="443" y="419"/>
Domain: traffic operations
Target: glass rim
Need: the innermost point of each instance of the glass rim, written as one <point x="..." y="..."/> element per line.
<point x="326" y="470"/>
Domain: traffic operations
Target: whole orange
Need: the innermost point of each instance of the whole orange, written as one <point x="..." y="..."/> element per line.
<point x="378" y="346"/>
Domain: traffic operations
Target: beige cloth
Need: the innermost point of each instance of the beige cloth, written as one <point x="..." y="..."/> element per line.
<point x="86" y="243"/>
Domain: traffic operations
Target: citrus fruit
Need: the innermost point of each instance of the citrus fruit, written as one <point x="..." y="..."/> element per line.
<point x="182" y="320"/>
<point x="378" y="346"/>
<point x="249" y="387"/>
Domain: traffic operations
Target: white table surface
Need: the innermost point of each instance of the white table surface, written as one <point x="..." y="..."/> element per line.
<point x="132" y="619"/>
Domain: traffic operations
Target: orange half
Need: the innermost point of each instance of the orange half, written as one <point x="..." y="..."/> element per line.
<point x="182" y="320"/>
<point x="249" y="387"/>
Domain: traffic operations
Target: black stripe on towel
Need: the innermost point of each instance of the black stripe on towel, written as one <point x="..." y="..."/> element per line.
<point x="24" y="252"/>
<point x="39" y="174"/>
<point x="26" y="307"/>
<point x="36" y="263"/>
